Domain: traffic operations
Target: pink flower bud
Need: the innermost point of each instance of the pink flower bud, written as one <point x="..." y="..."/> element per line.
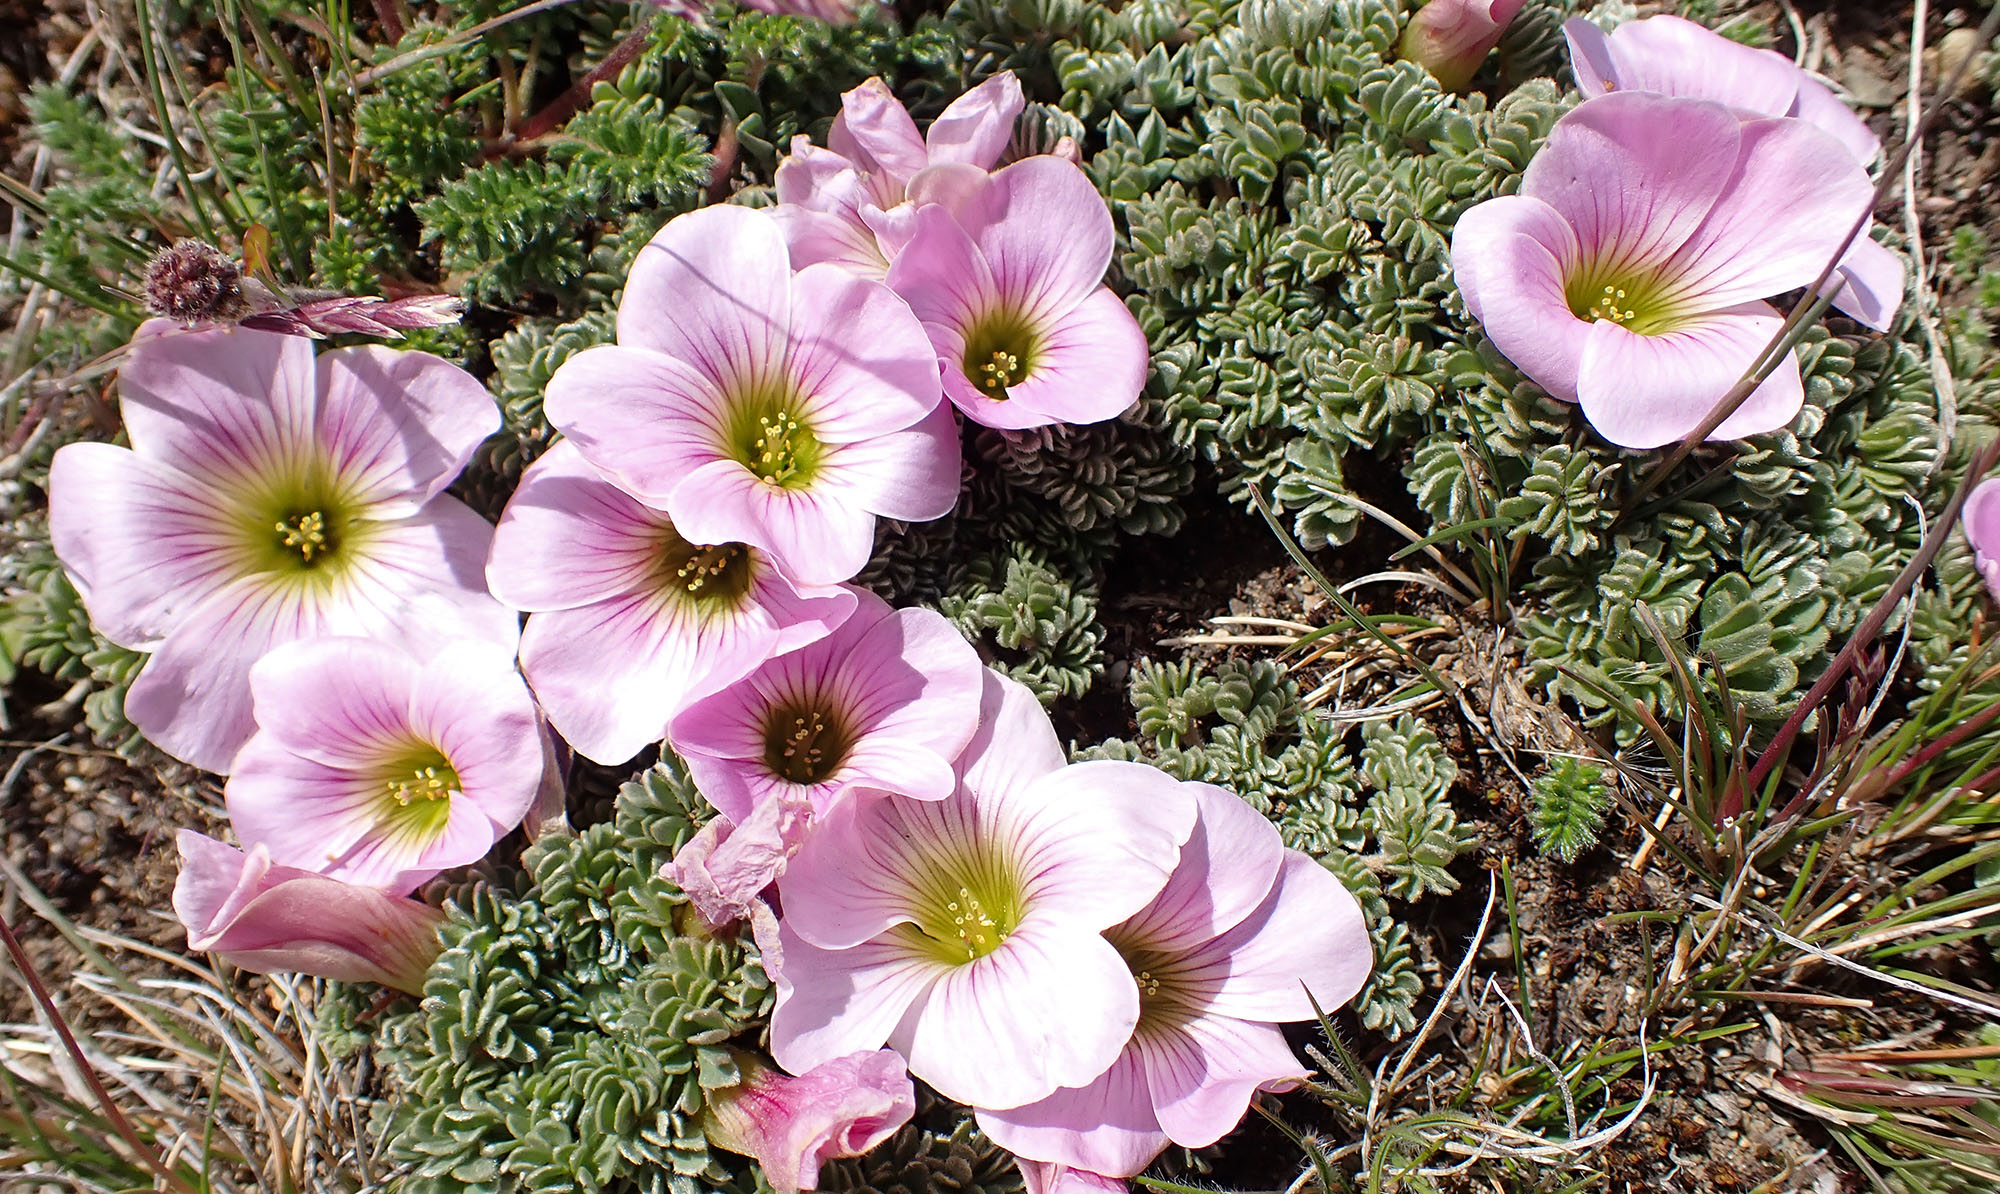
<point x="277" y="918"/>
<point x="1452" y="37"/>
<point x="840" y="1109"/>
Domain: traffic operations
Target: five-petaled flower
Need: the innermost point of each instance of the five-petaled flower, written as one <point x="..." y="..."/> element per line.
<point x="375" y="768"/>
<point x="1025" y="331"/>
<point x="630" y="622"/>
<point x="269" y="497"/>
<point x="966" y="933"/>
<point x="1627" y="274"/>
<point x="761" y="407"/>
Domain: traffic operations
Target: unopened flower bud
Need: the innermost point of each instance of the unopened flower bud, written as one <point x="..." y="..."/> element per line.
<point x="191" y="281"/>
<point x="1452" y="37"/>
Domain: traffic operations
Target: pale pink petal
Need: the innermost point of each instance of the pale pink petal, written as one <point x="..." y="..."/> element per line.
<point x="422" y="582"/>
<point x="911" y="676"/>
<point x="307" y="814"/>
<point x="712" y="289"/>
<point x="875" y="133"/>
<point x="841" y="1108"/>
<point x="569" y="537"/>
<point x="976" y="127"/>
<point x="849" y="882"/>
<point x="1204" y="1074"/>
<point x="1040" y="1177"/>
<point x="336" y="701"/>
<point x="942" y="274"/>
<point x="912" y="474"/>
<point x="900" y="768"/>
<point x="1064" y="828"/>
<point x="1646" y="391"/>
<point x="863" y="363"/>
<point x="1870" y="278"/>
<point x="1091" y="365"/>
<point x="1106" y="1127"/>
<point x="1012" y="221"/>
<point x="1590" y="57"/>
<point x="830" y="238"/>
<point x="1795" y="194"/>
<point x="642" y="418"/>
<point x="819" y="179"/>
<point x="1226" y="871"/>
<point x="1015" y="744"/>
<point x="1632" y="195"/>
<point x="1052" y="1007"/>
<point x="145" y="544"/>
<point x="192" y="698"/>
<point x="473" y="706"/>
<point x="835" y="1002"/>
<point x="399" y="426"/>
<point x="218" y="403"/>
<point x="1981" y="523"/>
<point x="1510" y="256"/>
<point x="818" y="534"/>
<point x="611" y="674"/>
<point x="268" y="919"/>
<point x="1307" y="937"/>
<point x="1820" y="107"/>
<point x="1674" y="56"/>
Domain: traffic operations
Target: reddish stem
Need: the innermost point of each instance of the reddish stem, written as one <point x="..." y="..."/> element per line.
<point x="392" y="21"/>
<point x="565" y="105"/>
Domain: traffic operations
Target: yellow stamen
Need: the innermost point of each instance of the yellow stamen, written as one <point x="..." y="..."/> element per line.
<point x="1002" y="371"/>
<point x="303" y="533"/>
<point x="1606" y="307"/>
<point x="424" y="783"/>
<point x="777" y="457"/>
<point x="979" y="932"/>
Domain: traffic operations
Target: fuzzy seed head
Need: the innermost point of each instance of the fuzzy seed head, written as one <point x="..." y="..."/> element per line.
<point x="191" y="281"/>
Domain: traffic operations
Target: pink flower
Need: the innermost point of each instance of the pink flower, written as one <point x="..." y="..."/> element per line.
<point x="877" y="170"/>
<point x="840" y="1109"/>
<point x="1010" y="291"/>
<point x="267" y="918"/>
<point x="1981" y="521"/>
<point x="269" y="497"/>
<point x="1243" y="930"/>
<point x="1625" y="276"/>
<point x="631" y="622"/>
<point x="884" y="703"/>
<point x="760" y="407"/>
<point x="967" y="933"/>
<point x="1672" y="56"/>
<point x="1040" y="1177"/>
<point x="1452" y="37"/>
<point x="371" y="767"/>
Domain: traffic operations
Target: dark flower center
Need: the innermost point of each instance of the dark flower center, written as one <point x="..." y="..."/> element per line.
<point x="805" y="743"/>
<point x="713" y="575"/>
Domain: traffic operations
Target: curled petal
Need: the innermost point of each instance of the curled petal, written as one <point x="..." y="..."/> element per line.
<point x="841" y="1108"/>
<point x="268" y="919"/>
<point x="976" y="127"/>
<point x="725" y="867"/>
<point x="1871" y="280"/>
<point x="1107" y="1127"/>
<point x="1510" y="256"/>
<point x="1203" y="1076"/>
<point x="875" y="132"/>
<point x="1981" y="520"/>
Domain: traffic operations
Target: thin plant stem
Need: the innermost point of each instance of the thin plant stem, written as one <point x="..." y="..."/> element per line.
<point x="424" y="53"/>
<point x="563" y="106"/>
<point x="88" y="300"/>
<point x="105" y="1102"/>
<point x="161" y="113"/>
<point x="1872" y="625"/>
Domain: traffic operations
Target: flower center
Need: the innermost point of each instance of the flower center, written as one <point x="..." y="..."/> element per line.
<point x="417" y="787"/>
<point x="804" y="743"/>
<point x="1164" y="1001"/>
<point x="306" y="534"/>
<point x="1632" y="300"/>
<point x="1000" y="352"/>
<point x="772" y="438"/>
<point x="710" y="576"/>
<point x="965" y="908"/>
